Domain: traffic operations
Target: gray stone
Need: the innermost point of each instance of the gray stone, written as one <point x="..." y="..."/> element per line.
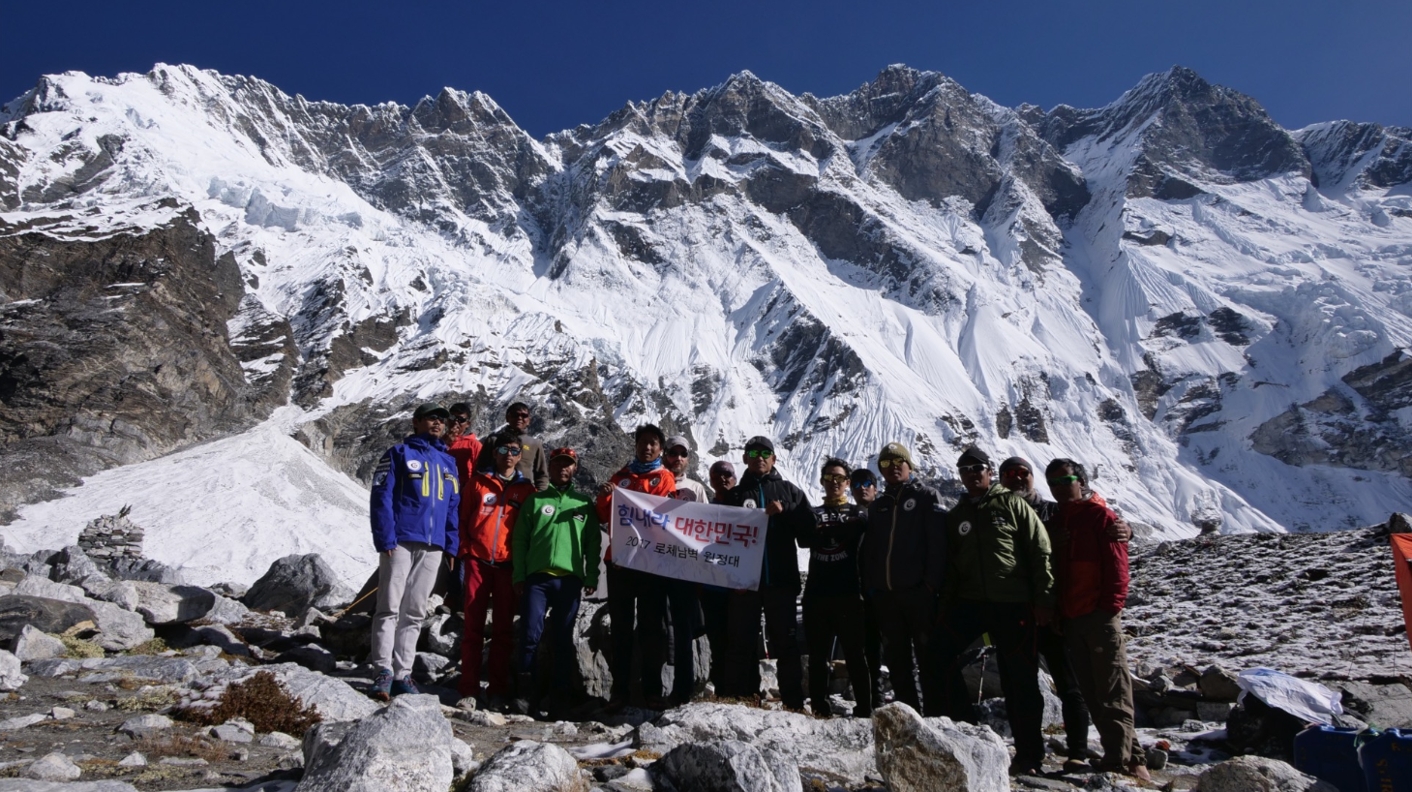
<point x="122" y="593"/>
<point x="227" y="611"/>
<point x="294" y="583"/>
<point x="96" y="706"/>
<point x="71" y="565"/>
<point x="838" y="748"/>
<point x="312" y="657"/>
<point x="1258" y="774"/>
<point x="22" y="721"/>
<point x="485" y="718"/>
<point x="163" y="670"/>
<point x="32" y="644"/>
<point x="119" y="629"/>
<point x="429" y="664"/>
<point x="61" y="713"/>
<point x="1384" y="706"/>
<point x="233" y="732"/>
<point x="183" y="761"/>
<point x="1213" y="711"/>
<point x="727" y="766"/>
<point x="48" y="615"/>
<point x="529" y="766"/>
<point x="11" y="677"/>
<point x="53" y="767"/>
<point x="145" y="569"/>
<point x="463" y="757"/>
<point x="220" y="636"/>
<point x="133" y="759"/>
<point x="1218" y="684"/>
<point x="141" y="725"/>
<point x="35" y="586"/>
<point x="322" y="738"/>
<point x="405" y="746"/>
<point x="163" y="604"/>
<point x="286" y="742"/>
<point x="914" y="755"/>
<point x="436" y="636"/>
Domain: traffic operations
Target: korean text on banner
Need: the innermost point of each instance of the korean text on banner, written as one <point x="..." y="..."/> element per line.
<point x="684" y="540"/>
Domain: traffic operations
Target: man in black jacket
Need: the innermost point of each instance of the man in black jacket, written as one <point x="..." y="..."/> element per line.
<point x="778" y="593"/>
<point x="833" y="599"/>
<point x="904" y="553"/>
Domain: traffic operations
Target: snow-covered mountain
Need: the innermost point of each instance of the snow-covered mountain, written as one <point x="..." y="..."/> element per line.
<point x="1211" y="311"/>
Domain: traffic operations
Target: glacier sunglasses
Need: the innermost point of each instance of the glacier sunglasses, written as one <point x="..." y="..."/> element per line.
<point x="887" y="462"/>
<point x="508" y="450"/>
<point x="759" y="453"/>
<point x="832" y="478"/>
<point x="971" y="468"/>
<point x="1059" y="481"/>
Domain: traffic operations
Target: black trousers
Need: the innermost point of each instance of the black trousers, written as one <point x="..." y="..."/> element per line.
<point x="906" y="619"/>
<point x="715" y="606"/>
<point x="873" y="649"/>
<point x="841" y="617"/>
<point x="637" y="615"/>
<point x="778" y="604"/>
<point x="681" y="604"/>
<point x="1011" y="628"/>
<point x="1056" y="657"/>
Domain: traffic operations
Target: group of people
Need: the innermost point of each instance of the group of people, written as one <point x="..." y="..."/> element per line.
<point x="894" y="577"/>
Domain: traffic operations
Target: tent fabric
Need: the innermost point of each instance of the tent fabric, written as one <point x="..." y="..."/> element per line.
<point x="1402" y="559"/>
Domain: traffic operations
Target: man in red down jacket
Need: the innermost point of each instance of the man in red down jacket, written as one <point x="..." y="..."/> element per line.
<point x="490" y="506"/>
<point x="1092" y="572"/>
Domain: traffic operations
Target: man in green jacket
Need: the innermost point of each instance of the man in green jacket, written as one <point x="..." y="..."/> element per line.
<point x="554" y="555"/>
<point x="998" y="581"/>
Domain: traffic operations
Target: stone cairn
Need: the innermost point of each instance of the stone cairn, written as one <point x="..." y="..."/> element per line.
<point x="112" y="536"/>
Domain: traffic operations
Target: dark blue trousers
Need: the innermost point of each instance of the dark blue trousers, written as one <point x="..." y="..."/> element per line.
<point x="550" y="603"/>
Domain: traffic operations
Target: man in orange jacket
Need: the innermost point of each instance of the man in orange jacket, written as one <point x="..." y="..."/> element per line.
<point x="490" y="506"/>
<point x="631" y="592"/>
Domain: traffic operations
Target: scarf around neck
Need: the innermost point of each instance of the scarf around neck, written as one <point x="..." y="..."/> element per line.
<point x="645" y="467"/>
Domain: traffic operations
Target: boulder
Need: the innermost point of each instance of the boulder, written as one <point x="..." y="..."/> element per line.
<point x="234" y="731"/>
<point x="312" y="657"/>
<point x="162" y="604"/>
<point x="286" y="742"/>
<point x="35" y="586"/>
<point x="1384" y="706"/>
<point x="463" y="757"/>
<point x="22" y="721"/>
<point x="11" y="677"/>
<point x="32" y="644"/>
<point x="44" y="614"/>
<point x="322" y="738"/>
<point x="140" y="569"/>
<point x="837" y="749"/>
<point x="405" y="746"/>
<point x="334" y="698"/>
<point x="72" y="565"/>
<point x="53" y="767"/>
<point x="158" y="670"/>
<point x="119" y="629"/>
<point x="916" y="755"/>
<point x="727" y="766"/>
<point x="122" y="593"/>
<point x="1218" y="684"/>
<point x="295" y="583"/>
<point x="134" y="759"/>
<point x="143" y="725"/>
<point x="529" y="766"/>
<point x="1258" y="774"/>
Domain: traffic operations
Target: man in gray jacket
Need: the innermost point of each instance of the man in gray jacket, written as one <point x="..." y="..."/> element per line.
<point x="533" y="463"/>
<point x="904" y="553"/>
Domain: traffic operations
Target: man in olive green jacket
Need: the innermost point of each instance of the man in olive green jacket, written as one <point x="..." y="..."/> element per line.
<point x="554" y="558"/>
<point x="998" y="582"/>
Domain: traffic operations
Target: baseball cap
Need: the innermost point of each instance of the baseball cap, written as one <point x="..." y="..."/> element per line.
<point x="563" y="452"/>
<point x="676" y="440"/>
<point x="760" y="441"/>
<point x="431" y="410"/>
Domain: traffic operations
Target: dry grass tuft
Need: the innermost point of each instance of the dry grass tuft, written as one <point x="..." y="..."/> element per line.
<point x="181" y="745"/>
<point x="154" y="646"/>
<point x="263" y="701"/>
<point x="78" y="647"/>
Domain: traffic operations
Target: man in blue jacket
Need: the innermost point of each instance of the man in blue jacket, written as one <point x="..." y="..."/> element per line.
<point x="414" y="507"/>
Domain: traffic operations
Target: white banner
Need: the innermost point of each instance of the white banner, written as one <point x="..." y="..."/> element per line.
<point x="685" y="540"/>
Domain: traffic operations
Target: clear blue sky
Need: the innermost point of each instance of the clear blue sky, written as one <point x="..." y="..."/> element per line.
<point x="554" y="64"/>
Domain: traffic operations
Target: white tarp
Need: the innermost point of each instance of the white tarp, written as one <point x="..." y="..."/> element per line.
<point x="701" y="542"/>
<point x="1309" y="701"/>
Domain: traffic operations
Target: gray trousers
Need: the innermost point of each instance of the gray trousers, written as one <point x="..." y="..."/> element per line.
<point x="405" y="580"/>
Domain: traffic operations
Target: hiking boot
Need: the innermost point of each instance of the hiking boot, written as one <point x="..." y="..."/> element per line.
<point x="404" y="685"/>
<point x="1021" y="766"/>
<point x="382" y="685"/>
<point x="524" y="696"/>
<point x="1072" y="765"/>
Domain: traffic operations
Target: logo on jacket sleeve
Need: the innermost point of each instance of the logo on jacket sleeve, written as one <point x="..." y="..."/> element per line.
<point x="964" y="528"/>
<point x="654" y="482"/>
<point x="414" y="465"/>
<point x="547" y="510"/>
<point x="909" y="504"/>
<point x="489" y="499"/>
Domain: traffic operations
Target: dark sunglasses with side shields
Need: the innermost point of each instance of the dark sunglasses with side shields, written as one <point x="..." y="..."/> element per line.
<point x="759" y="453"/>
<point x="971" y="468"/>
<point x="508" y="450"/>
<point x="1059" y="481"/>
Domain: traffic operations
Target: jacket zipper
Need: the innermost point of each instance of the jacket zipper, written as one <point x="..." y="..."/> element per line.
<point x="891" y="536"/>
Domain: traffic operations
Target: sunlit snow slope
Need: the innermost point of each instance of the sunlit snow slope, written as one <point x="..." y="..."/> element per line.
<point x="1206" y="309"/>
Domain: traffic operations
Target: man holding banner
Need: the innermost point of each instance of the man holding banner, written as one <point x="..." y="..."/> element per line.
<point x="789" y="516"/>
<point x="636" y="597"/>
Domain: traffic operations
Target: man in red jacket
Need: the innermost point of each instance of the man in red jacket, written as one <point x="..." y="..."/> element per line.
<point x="490" y="506"/>
<point x="1092" y="571"/>
<point x="632" y="592"/>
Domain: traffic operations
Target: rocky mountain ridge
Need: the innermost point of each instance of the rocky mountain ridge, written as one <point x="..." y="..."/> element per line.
<point x="1208" y="309"/>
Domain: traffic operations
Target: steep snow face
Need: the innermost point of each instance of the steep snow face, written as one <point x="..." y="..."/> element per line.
<point x="1157" y="288"/>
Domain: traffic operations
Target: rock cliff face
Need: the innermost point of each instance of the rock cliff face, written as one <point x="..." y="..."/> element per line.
<point x="1207" y="308"/>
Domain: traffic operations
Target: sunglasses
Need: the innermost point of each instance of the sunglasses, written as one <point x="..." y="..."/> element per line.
<point x="971" y="468"/>
<point x="864" y="484"/>
<point x="759" y="453"/>
<point x="678" y="453"/>
<point x="890" y="462"/>
<point x="519" y="416"/>
<point x="832" y="478"/>
<point x="1059" y="481"/>
<point x="1017" y="472"/>
<point x="460" y="419"/>
<point x="508" y="450"/>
